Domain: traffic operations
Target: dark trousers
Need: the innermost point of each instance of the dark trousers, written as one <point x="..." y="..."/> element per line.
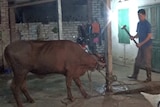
<point x="92" y="44"/>
<point x="143" y="61"/>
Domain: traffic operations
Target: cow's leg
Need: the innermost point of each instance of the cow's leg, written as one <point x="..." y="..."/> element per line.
<point x="25" y="92"/>
<point x="68" y="84"/>
<point x="15" y="87"/>
<point x="79" y="84"/>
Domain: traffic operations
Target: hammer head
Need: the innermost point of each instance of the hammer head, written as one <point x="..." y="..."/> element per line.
<point x="123" y="27"/>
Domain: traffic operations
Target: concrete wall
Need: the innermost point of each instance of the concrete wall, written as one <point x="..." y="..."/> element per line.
<point x="126" y="53"/>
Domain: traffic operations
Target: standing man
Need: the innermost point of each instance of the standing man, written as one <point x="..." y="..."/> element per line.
<point x="143" y="59"/>
<point x="95" y="28"/>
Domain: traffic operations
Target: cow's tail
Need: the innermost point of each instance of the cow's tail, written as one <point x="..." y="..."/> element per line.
<point x="7" y="65"/>
<point x="6" y="61"/>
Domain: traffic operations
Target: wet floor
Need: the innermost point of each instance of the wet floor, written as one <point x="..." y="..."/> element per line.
<point x="51" y="92"/>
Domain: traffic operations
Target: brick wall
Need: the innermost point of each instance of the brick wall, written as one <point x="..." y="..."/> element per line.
<point x="98" y="12"/>
<point x="33" y="31"/>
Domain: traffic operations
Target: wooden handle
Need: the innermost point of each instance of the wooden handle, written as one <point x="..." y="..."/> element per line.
<point x="130" y="35"/>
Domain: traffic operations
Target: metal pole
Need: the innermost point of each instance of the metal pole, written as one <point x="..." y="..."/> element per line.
<point x="59" y="20"/>
<point x="109" y="50"/>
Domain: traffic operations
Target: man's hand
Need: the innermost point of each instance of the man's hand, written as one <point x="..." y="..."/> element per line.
<point x="146" y="40"/>
<point x="131" y="37"/>
<point x="139" y="45"/>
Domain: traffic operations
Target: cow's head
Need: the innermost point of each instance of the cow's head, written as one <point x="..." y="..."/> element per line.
<point x="101" y="63"/>
<point x="101" y="66"/>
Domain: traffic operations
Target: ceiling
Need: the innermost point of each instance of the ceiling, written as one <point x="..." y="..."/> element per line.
<point x="23" y="1"/>
<point x="20" y="3"/>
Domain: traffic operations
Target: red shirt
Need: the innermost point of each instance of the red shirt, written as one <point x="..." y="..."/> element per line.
<point x="95" y="27"/>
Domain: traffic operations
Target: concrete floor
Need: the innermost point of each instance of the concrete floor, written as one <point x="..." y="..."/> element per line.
<point x="51" y="91"/>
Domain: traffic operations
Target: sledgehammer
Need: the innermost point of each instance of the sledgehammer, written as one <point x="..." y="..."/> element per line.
<point x="124" y="27"/>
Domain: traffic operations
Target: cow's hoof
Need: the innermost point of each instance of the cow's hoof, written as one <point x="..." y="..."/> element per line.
<point x="67" y="101"/>
<point x="87" y="96"/>
<point x="30" y="101"/>
<point x="72" y="99"/>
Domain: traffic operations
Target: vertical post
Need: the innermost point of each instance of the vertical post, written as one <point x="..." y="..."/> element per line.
<point x="109" y="49"/>
<point x="12" y="19"/>
<point x="5" y="27"/>
<point x="59" y="20"/>
<point x="89" y="8"/>
<point x="124" y="54"/>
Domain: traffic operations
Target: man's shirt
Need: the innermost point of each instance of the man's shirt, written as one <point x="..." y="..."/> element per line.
<point x="143" y="29"/>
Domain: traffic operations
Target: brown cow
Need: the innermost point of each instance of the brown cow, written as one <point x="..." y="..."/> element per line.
<point x="45" y="57"/>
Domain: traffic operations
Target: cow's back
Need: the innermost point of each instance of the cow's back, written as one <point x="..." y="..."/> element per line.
<point x="16" y="51"/>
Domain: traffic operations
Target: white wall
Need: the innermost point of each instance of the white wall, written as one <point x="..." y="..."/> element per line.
<point x="126" y="53"/>
<point x="147" y="2"/>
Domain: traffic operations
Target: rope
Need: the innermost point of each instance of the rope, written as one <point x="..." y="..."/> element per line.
<point x="113" y="79"/>
<point x="90" y="81"/>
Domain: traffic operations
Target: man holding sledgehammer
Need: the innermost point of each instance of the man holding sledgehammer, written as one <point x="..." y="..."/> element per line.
<point x="143" y="59"/>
